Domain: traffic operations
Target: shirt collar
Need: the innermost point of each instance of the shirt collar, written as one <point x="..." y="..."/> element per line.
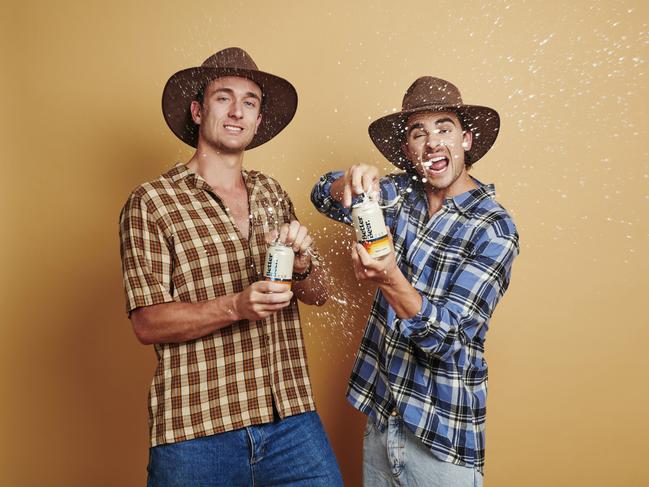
<point x="466" y="201"/>
<point x="180" y="174"/>
<point x="463" y="202"/>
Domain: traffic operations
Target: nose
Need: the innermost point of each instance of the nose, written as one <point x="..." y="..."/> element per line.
<point x="236" y="109"/>
<point x="434" y="141"/>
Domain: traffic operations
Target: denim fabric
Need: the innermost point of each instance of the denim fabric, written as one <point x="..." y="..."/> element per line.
<point x="290" y="452"/>
<point x="396" y="457"/>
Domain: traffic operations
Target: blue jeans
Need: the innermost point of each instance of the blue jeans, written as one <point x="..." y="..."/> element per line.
<point x="290" y="452"/>
<point x="396" y="457"/>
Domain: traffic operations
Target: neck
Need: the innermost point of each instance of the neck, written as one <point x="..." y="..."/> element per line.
<point x="436" y="196"/>
<point x="218" y="169"/>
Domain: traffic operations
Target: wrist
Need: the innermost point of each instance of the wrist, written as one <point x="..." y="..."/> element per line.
<point x="302" y="275"/>
<point x="300" y="269"/>
<point x="232" y="307"/>
<point x="392" y="276"/>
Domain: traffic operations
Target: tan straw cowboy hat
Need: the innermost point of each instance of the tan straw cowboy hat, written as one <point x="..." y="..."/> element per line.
<point x="429" y="94"/>
<point x="278" y="105"/>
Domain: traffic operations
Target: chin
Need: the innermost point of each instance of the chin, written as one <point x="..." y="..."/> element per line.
<point x="232" y="148"/>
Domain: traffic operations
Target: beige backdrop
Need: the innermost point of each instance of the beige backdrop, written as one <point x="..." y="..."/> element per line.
<point x="82" y="126"/>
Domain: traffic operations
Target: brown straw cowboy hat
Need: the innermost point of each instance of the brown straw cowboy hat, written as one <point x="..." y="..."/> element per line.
<point x="278" y="105"/>
<point x="429" y="94"/>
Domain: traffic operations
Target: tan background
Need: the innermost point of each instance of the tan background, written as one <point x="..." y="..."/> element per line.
<point x="82" y="126"/>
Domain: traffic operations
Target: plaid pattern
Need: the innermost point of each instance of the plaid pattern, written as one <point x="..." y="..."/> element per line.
<point x="178" y="243"/>
<point x="431" y="368"/>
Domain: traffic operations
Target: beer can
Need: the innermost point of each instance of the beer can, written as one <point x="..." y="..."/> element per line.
<point x="368" y="221"/>
<point x="279" y="263"/>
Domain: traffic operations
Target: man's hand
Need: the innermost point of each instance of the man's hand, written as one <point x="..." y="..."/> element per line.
<point x="360" y="178"/>
<point x="261" y="299"/>
<point x="402" y="296"/>
<point x="380" y="271"/>
<point x="296" y="236"/>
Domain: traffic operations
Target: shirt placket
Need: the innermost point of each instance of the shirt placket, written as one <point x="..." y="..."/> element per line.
<point x="251" y="272"/>
<point x="267" y="347"/>
<point x="226" y="219"/>
<point x="421" y="250"/>
<point x="270" y="353"/>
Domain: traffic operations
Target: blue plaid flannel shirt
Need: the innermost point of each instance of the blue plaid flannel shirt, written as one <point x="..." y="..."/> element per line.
<point x="430" y="368"/>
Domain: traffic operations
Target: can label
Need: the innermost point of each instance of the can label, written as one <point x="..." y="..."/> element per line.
<point x="370" y="228"/>
<point x="279" y="263"/>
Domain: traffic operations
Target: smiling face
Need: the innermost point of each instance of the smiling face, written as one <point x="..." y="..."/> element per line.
<point x="229" y="114"/>
<point x="435" y="144"/>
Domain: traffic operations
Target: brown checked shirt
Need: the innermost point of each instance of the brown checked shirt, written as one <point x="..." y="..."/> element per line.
<point x="178" y="243"/>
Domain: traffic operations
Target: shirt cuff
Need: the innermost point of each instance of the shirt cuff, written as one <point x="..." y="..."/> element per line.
<point x="324" y="203"/>
<point x="417" y="326"/>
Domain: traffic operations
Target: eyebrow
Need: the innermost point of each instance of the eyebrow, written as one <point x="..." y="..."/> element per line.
<point x="249" y="94"/>
<point x="444" y="120"/>
<point x="415" y="126"/>
<point x="420" y="125"/>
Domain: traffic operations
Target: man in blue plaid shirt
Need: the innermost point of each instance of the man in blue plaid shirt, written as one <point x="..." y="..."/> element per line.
<point x="420" y="374"/>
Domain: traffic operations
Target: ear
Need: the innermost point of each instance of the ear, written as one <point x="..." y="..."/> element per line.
<point x="467" y="140"/>
<point x="195" y="109"/>
<point x="406" y="151"/>
<point x="257" y="123"/>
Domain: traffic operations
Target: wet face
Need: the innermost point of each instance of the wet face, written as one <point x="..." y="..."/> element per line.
<point x="435" y="144"/>
<point x="230" y="114"/>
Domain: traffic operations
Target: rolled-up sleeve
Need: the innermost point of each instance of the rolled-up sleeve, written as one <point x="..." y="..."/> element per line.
<point x="444" y="327"/>
<point x="324" y="202"/>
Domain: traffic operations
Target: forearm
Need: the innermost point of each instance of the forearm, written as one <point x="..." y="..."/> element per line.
<point x="323" y="199"/>
<point x="337" y="189"/>
<point x="434" y="330"/>
<point x="180" y="322"/>
<point x="400" y="294"/>
<point x="313" y="289"/>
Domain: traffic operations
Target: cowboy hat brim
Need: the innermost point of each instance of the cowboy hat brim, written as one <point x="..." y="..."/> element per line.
<point x="278" y="107"/>
<point x="389" y="133"/>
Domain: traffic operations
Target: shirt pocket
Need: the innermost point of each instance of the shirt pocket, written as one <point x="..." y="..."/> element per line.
<point x="203" y="266"/>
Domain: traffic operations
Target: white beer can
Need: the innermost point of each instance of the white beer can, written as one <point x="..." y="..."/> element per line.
<point x="279" y="263"/>
<point x="368" y="221"/>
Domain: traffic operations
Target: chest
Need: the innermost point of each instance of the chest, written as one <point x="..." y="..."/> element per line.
<point x="206" y="236"/>
<point x="431" y="250"/>
<point x="236" y="206"/>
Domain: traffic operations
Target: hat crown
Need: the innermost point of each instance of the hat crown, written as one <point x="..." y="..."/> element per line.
<point x="429" y="90"/>
<point x="232" y="57"/>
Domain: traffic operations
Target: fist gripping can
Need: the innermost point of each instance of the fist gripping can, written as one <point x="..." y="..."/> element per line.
<point x="370" y="228"/>
<point x="279" y="263"/>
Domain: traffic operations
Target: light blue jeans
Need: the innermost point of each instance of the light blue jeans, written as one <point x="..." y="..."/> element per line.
<point x="290" y="452"/>
<point x="396" y="457"/>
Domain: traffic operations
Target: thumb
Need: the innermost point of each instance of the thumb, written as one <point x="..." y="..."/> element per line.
<point x="271" y="237"/>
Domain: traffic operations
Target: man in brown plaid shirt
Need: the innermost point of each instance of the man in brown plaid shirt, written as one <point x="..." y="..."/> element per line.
<point x="230" y="403"/>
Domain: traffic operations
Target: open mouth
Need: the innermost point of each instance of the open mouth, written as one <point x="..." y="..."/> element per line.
<point x="235" y="129"/>
<point x="436" y="165"/>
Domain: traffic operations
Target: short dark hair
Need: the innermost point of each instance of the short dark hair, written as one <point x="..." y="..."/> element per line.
<point x="200" y="94"/>
<point x="468" y="162"/>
